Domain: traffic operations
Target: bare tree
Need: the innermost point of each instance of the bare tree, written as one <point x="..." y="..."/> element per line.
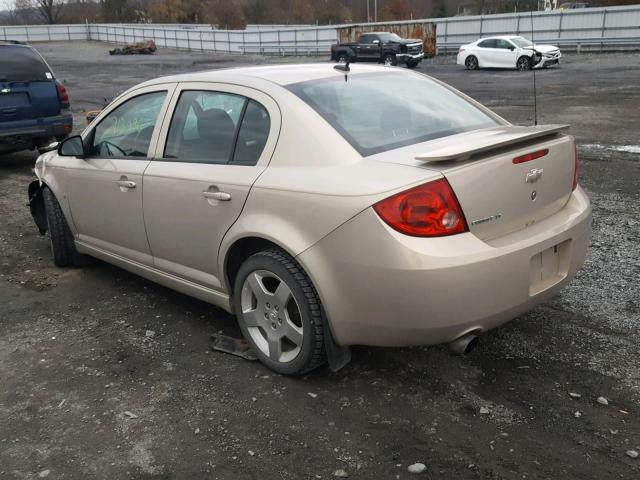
<point x="47" y="11"/>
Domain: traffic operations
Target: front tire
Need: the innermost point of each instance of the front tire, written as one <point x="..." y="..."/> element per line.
<point x="471" y="63"/>
<point x="342" y="58"/>
<point x="412" y="64"/>
<point x="389" y="60"/>
<point x="279" y="313"/>
<point x="523" y="64"/>
<point x="63" y="246"/>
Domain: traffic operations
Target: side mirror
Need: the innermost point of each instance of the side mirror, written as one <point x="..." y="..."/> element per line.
<point x="72" y="147"/>
<point x="512" y="48"/>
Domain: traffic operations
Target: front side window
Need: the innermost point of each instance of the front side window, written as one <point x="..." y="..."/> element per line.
<point x="126" y="131"/>
<point x="366" y="39"/>
<point x="217" y="127"/>
<point x="376" y="112"/>
<point x="500" y="43"/>
<point x="389" y="37"/>
<point x="521" y="42"/>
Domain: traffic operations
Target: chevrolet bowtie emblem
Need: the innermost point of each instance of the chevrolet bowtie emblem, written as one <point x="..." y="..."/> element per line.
<point x="533" y="175"/>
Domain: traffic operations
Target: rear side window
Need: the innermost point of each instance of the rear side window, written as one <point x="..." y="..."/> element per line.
<point x="217" y="127"/>
<point x="381" y="111"/>
<point x="487" y="44"/>
<point x="253" y="134"/>
<point x="22" y="64"/>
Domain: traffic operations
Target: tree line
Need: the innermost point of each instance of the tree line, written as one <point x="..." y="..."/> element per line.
<point x="235" y="14"/>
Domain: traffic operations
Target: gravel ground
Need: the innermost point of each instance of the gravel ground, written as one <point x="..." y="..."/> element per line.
<point x="106" y="375"/>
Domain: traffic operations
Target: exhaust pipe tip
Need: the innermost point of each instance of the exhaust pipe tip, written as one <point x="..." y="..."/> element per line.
<point x="465" y="344"/>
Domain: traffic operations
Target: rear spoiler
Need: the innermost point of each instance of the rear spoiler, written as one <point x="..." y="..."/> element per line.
<point x="463" y="146"/>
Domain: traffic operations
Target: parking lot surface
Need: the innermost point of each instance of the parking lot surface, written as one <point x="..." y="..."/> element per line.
<point x="106" y="375"/>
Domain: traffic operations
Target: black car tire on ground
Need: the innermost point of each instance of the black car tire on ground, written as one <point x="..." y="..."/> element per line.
<point x="523" y="63"/>
<point x="412" y="64"/>
<point x="471" y="62"/>
<point x="389" y="59"/>
<point x="342" y="58"/>
<point x="312" y="351"/>
<point x="62" y="244"/>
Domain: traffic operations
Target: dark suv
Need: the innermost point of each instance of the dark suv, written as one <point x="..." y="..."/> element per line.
<point x="34" y="106"/>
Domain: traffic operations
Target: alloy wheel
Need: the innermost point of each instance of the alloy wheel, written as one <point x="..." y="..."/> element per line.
<point x="472" y="63"/>
<point x="272" y="316"/>
<point x="523" y="64"/>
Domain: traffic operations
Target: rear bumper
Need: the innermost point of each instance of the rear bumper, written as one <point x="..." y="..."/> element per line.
<point x="379" y="287"/>
<point x="29" y="133"/>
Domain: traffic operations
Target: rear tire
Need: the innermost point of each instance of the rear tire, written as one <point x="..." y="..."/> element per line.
<point x="523" y="64"/>
<point x="279" y="313"/>
<point x="471" y="62"/>
<point x="63" y="246"/>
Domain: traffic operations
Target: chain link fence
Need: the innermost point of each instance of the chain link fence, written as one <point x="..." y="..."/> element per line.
<point x="589" y="28"/>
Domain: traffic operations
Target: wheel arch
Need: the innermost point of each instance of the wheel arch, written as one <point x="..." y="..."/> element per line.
<point x="241" y="249"/>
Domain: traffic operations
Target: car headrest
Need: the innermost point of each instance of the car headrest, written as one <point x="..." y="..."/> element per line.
<point x="215" y="122"/>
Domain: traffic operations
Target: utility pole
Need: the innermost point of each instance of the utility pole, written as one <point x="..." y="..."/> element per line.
<point x="375" y="10"/>
<point x="368" y="14"/>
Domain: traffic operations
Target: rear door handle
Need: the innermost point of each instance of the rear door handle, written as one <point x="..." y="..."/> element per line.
<point x="222" y="196"/>
<point x="126" y="184"/>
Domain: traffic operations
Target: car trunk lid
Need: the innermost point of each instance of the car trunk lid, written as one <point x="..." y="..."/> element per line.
<point x="497" y="194"/>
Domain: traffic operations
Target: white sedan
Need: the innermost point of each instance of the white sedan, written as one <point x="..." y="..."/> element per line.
<point x="507" y="52"/>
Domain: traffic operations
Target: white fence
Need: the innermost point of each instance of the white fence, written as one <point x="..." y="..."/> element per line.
<point x="599" y="27"/>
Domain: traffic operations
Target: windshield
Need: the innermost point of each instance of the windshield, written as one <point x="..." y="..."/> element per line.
<point x="521" y="42"/>
<point x="22" y="64"/>
<point x="377" y="112"/>
<point x="388" y="37"/>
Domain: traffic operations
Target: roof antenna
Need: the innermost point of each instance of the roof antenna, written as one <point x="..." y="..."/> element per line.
<point x="533" y="59"/>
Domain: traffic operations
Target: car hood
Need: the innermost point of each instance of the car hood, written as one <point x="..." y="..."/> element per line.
<point x="544" y="48"/>
<point x="407" y="41"/>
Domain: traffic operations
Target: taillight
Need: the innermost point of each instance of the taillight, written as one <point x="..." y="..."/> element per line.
<point x="575" y="168"/>
<point x="429" y="210"/>
<point x="63" y="96"/>
<point x="530" y="156"/>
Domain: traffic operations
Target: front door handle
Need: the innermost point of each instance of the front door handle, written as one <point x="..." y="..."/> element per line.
<point x="126" y="184"/>
<point x="222" y="196"/>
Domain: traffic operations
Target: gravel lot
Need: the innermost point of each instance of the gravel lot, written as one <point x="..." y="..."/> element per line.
<point x="106" y="375"/>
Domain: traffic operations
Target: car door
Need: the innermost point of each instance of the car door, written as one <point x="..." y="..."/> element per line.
<point x="486" y="53"/>
<point x="212" y="149"/>
<point x="368" y="49"/>
<point x="104" y="189"/>
<point x="505" y="53"/>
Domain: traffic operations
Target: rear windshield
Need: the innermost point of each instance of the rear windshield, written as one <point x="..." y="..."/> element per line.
<point x="382" y="111"/>
<point x="21" y="64"/>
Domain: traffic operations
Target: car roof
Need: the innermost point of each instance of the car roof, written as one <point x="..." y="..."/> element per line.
<point x="281" y="75"/>
<point x="501" y="37"/>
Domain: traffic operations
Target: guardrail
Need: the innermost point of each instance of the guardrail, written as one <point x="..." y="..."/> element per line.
<point x="579" y="27"/>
